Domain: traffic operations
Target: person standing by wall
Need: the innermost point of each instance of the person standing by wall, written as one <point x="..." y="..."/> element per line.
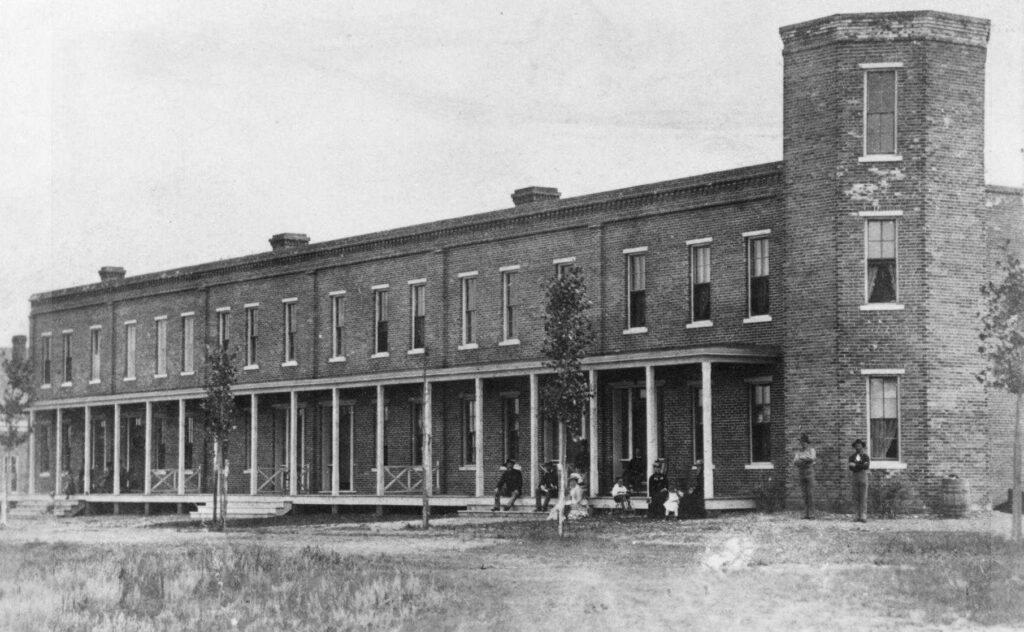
<point x="804" y="460"/>
<point x="859" y="465"/>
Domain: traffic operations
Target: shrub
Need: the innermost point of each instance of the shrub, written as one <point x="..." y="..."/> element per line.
<point x="889" y="493"/>
<point x="770" y="494"/>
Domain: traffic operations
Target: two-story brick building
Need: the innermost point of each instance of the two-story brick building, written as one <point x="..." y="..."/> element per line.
<point x="833" y="293"/>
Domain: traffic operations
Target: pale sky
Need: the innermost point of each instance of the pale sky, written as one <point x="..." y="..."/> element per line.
<point x="159" y="134"/>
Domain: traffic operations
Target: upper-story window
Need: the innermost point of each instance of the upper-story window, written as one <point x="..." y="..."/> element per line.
<point x="563" y="265"/>
<point x="94" y="354"/>
<point x="338" y="324"/>
<point x="380" y="317"/>
<point x="66" y="354"/>
<point x="188" y="336"/>
<point x="509" y="303"/>
<point x="129" y="349"/>
<point x="290" y="330"/>
<point x="757" y="276"/>
<point x="224" y="327"/>
<point x="417" y="314"/>
<point x="161" y="346"/>
<point x="252" y="312"/>
<point x="760" y="423"/>
<point x="636" y="287"/>
<point x="468" y="308"/>
<point x="881" y="261"/>
<point x="879" y="111"/>
<point x="884" y="418"/>
<point x="700" y="281"/>
<point x="44" y="353"/>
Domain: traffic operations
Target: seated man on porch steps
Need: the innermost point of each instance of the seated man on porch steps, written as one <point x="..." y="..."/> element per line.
<point x="510" y="484"/>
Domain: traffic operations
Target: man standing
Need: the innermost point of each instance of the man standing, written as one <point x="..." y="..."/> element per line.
<point x="804" y="460"/>
<point x="859" y="464"/>
<point x="510" y="484"/>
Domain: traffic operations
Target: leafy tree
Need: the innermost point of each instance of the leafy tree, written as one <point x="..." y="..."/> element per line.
<point x="18" y="394"/>
<point x="220" y="373"/>
<point x="567" y="335"/>
<point x="1002" y="345"/>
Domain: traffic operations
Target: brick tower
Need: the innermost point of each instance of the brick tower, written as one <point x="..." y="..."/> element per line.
<point x="884" y="187"/>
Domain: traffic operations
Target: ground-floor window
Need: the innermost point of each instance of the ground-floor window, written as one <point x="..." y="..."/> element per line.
<point x="884" y="418"/>
<point x="468" y="431"/>
<point x="510" y="417"/>
<point x="760" y="423"/>
<point x="697" y="422"/>
<point x="416" y="429"/>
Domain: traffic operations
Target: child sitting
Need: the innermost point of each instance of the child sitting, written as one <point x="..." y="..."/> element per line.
<point x="672" y="502"/>
<point x="620" y="494"/>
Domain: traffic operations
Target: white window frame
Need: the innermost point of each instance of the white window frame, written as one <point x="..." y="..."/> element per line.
<point x="752" y="386"/>
<point x="252" y="332"/>
<point x="66" y="357"/>
<point x="693" y="246"/>
<point x="417" y="308"/>
<point x="561" y="264"/>
<point x="131" y="340"/>
<point x="881" y="216"/>
<point x="160" y="355"/>
<point x="337" y="326"/>
<point x="467" y="416"/>
<point x="879" y="463"/>
<point x="381" y="314"/>
<point x="46" y="363"/>
<point x="469" y="299"/>
<point x="509" y="303"/>
<point x="289" y="331"/>
<point x="223" y="327"/>
<point x="188" y="343"/>
<point x="635" y="256"/>
<point x="868" y="68"/>
<point x="750" y="238"/>
<point x="94" y="354"/>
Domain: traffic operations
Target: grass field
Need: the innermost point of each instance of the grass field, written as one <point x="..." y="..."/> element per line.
<point x="751" y="572"/>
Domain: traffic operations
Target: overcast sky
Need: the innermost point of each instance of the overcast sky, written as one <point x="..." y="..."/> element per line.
<point x="154" y="135"/>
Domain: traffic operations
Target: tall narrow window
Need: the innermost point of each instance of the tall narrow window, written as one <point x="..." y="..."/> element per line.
<point x="697" y="394"/>
<point x="880" y="112"/>
<point x="161" y="346"/>
<point x="380" y="302"/>
<point x="338" y="326"/>
<point x="700" y="270"/>
<point x="66" y="352"/>
<point x="468" y="431"/>
<point x="417" y="315"/>
<point x="190" y="438"/>
<point x="469" y="310"/>
<point x="636" y="288"/>
<point x="290" y="329"/>
<point x="94" y="354"/>
<point x="129" y="350"/>
<point x="161" y="445"/>
<point x="43" y="446"/>
<point x="224" y="328"/>
<point x="757" y="276"/>
<point x="760" y="423"/>
<point x="188" y="336"/>
<point x="416" y="431"/>
<point x="881" y="261"/>
<point x="509" y="301"/>
<point x="510" y="414"/>
<point x="884" y="418"/>
<point x="251" y="335"/>
<point x="44" y="352"/>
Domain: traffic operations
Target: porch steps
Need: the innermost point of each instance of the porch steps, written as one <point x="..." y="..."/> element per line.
<point x="30" y="507"/>
<point x="67" y="508"/>
<point x="244" y="509"/>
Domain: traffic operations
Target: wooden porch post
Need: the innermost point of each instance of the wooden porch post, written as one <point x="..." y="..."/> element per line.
<point x="705" y="392"/>
<point x="293" y="440"/>
<point x="335" y="457"/>
<point x="534" y="424"/>
<point x="117" y="450"/>
<point x="254" y="470"/>
<point x="181" y="447"/>
<point x="58" y="471"/>
<point x="32" y="452"/>
<point x="428" y="448"/>
<point x="592" y="444"/>
<point x="380" y="439"/>
<point x="147" y="462"/>
<point x="652" y="419"/>
<point x="478" y="449"/>
<point x="87" y="455"/>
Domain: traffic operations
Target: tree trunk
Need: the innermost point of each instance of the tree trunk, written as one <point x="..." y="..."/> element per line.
<point x="562" y="479"/>
<point x="222" y="474"/>
<point x="1015" y="503"/>
<point x="3" y="499"/>
<point x="216" y="479"/>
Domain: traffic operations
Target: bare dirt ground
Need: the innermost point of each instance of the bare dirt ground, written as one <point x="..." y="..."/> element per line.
<point x="744" y="572"/>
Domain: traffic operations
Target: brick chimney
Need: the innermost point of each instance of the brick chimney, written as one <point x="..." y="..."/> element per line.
<point x="111" y="273"/>
<point x="18" y="347"/>
<point x="530" y="195"/>
<point x="282" y="241"/>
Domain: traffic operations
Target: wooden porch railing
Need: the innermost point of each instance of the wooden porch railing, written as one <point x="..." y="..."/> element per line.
<point x="165" y="481"/>
<point x="407" y="479"/>
<point x="276" y="478"/>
